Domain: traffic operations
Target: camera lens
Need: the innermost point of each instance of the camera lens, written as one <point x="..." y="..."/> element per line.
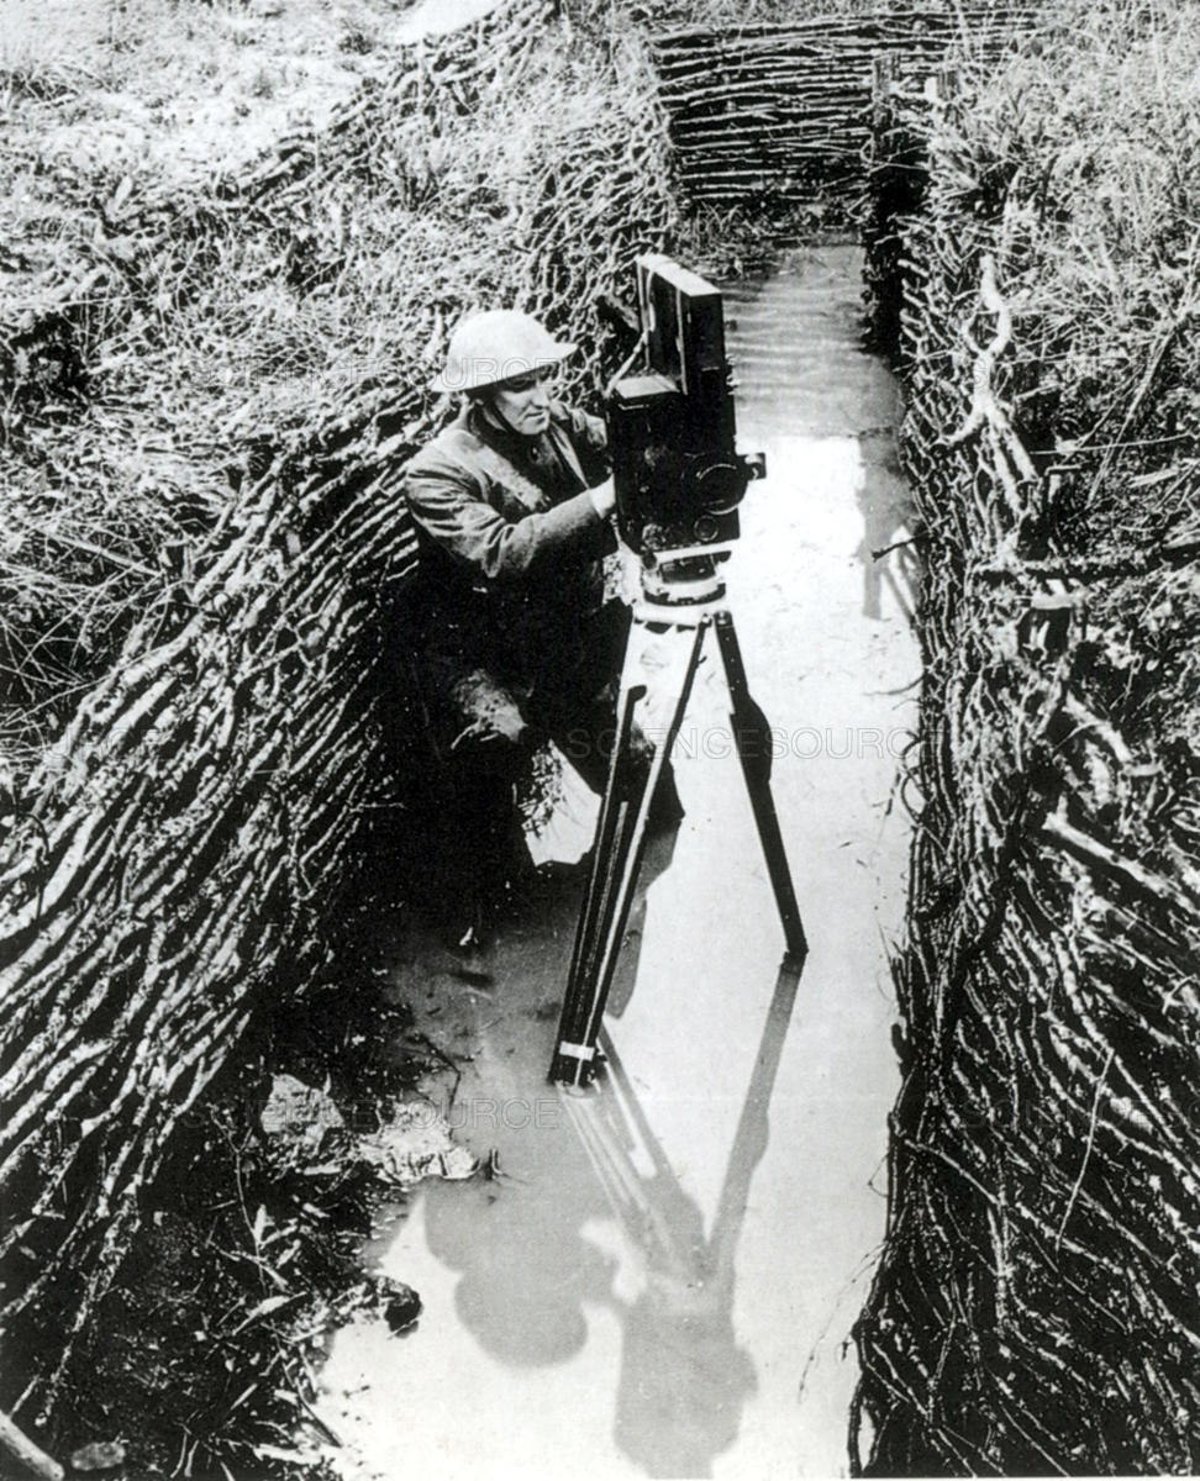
<point x="718" y="487"/>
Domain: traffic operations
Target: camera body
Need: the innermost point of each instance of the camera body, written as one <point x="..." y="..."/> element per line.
<point x="677" y="473"/>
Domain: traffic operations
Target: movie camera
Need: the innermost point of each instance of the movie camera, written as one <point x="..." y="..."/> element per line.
<point x="677" y="473"/>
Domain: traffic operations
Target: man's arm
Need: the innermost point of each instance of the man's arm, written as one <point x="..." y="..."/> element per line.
<point x="463" y="523"/>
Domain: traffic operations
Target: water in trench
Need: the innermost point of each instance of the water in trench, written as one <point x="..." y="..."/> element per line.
<point x="662" y="1276"/>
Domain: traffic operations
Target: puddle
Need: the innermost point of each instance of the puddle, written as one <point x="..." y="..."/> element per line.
<point x="660" y="1277"/>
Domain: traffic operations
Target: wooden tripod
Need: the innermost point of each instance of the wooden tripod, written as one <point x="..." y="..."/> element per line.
<point x="679" y="622"/>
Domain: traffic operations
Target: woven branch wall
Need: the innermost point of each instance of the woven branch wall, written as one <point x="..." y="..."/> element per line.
<point x="782" y="112"/>
<point x="176" y="852"/>
<point x="1035" y="1308"/>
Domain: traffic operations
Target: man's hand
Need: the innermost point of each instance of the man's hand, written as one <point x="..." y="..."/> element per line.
<point x="604" y="498"/>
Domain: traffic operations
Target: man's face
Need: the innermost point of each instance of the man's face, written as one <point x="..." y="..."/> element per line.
<point x="523" y="403"/>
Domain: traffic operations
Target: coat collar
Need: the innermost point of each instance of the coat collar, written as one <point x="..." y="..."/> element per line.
<point x="534" y="456"/>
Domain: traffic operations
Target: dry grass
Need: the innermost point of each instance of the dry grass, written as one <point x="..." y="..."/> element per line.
<point x="1086" y="157"/>
<point x="177" y="318"/>
<point x="116" y="400"/>
<point x="1086" y="154"/>
<point x="1031" y="1314"/>
<point x="184" y="75"/>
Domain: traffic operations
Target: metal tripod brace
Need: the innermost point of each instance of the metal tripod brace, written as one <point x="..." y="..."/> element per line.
<point x="624" y="813"/>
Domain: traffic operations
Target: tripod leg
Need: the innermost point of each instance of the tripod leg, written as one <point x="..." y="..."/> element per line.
<point x="618" y="855"/>
<point x="574" y="1057"/>
<point x="765" y="817"/>
<point x="611" y="828"/>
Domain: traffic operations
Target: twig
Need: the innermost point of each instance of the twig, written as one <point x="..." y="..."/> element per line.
<point x="878" y="555"/>
<point x="18" y="1445"/>
<point x="1093" y="568"/>
<point x="1087" y="1151"/>
<point x="1145" y="881"/>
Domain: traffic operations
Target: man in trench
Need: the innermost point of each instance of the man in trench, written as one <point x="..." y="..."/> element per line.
<point x="516" y="643"/>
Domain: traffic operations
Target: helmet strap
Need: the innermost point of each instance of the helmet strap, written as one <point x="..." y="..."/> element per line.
<point x="493" y="414"/>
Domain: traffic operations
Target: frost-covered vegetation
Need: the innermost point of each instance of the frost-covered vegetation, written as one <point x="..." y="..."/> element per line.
<point x="1035" y="1306"/>
<point x="233" y="230"/>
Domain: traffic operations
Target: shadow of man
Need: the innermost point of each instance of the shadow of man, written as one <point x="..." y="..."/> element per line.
<point x="527" y="1268"/>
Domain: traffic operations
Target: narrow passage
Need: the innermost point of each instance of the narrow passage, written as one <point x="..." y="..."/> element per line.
<point x="662" y="1277"/>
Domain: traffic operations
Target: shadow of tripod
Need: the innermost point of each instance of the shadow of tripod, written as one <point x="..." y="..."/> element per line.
<point x="684" y="1378"/>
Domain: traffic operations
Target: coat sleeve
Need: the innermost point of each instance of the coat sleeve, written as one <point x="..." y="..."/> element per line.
<point x="453" y="513"/>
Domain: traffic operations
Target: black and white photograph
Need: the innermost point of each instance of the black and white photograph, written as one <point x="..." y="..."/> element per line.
<point x="599" y="739"/>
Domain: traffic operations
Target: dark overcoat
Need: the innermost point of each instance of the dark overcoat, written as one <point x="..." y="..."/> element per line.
<point x="510" y="573"/>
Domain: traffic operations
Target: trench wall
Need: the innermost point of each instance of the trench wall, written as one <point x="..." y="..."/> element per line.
<point x="777" y="115"/>
<point x="1034" y="1311"/>
<point x="178" y="853"/>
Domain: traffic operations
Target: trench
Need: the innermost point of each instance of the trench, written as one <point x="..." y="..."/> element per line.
<point x="661" y="1276"/>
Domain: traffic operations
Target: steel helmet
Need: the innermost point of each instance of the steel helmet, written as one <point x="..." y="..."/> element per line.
<point x="496" y="346"/>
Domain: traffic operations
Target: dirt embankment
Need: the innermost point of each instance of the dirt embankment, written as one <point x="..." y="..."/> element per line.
<point x="116" y="443"/>
<point x="1035" y="1306"/>
<point x="212" y="361"/>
